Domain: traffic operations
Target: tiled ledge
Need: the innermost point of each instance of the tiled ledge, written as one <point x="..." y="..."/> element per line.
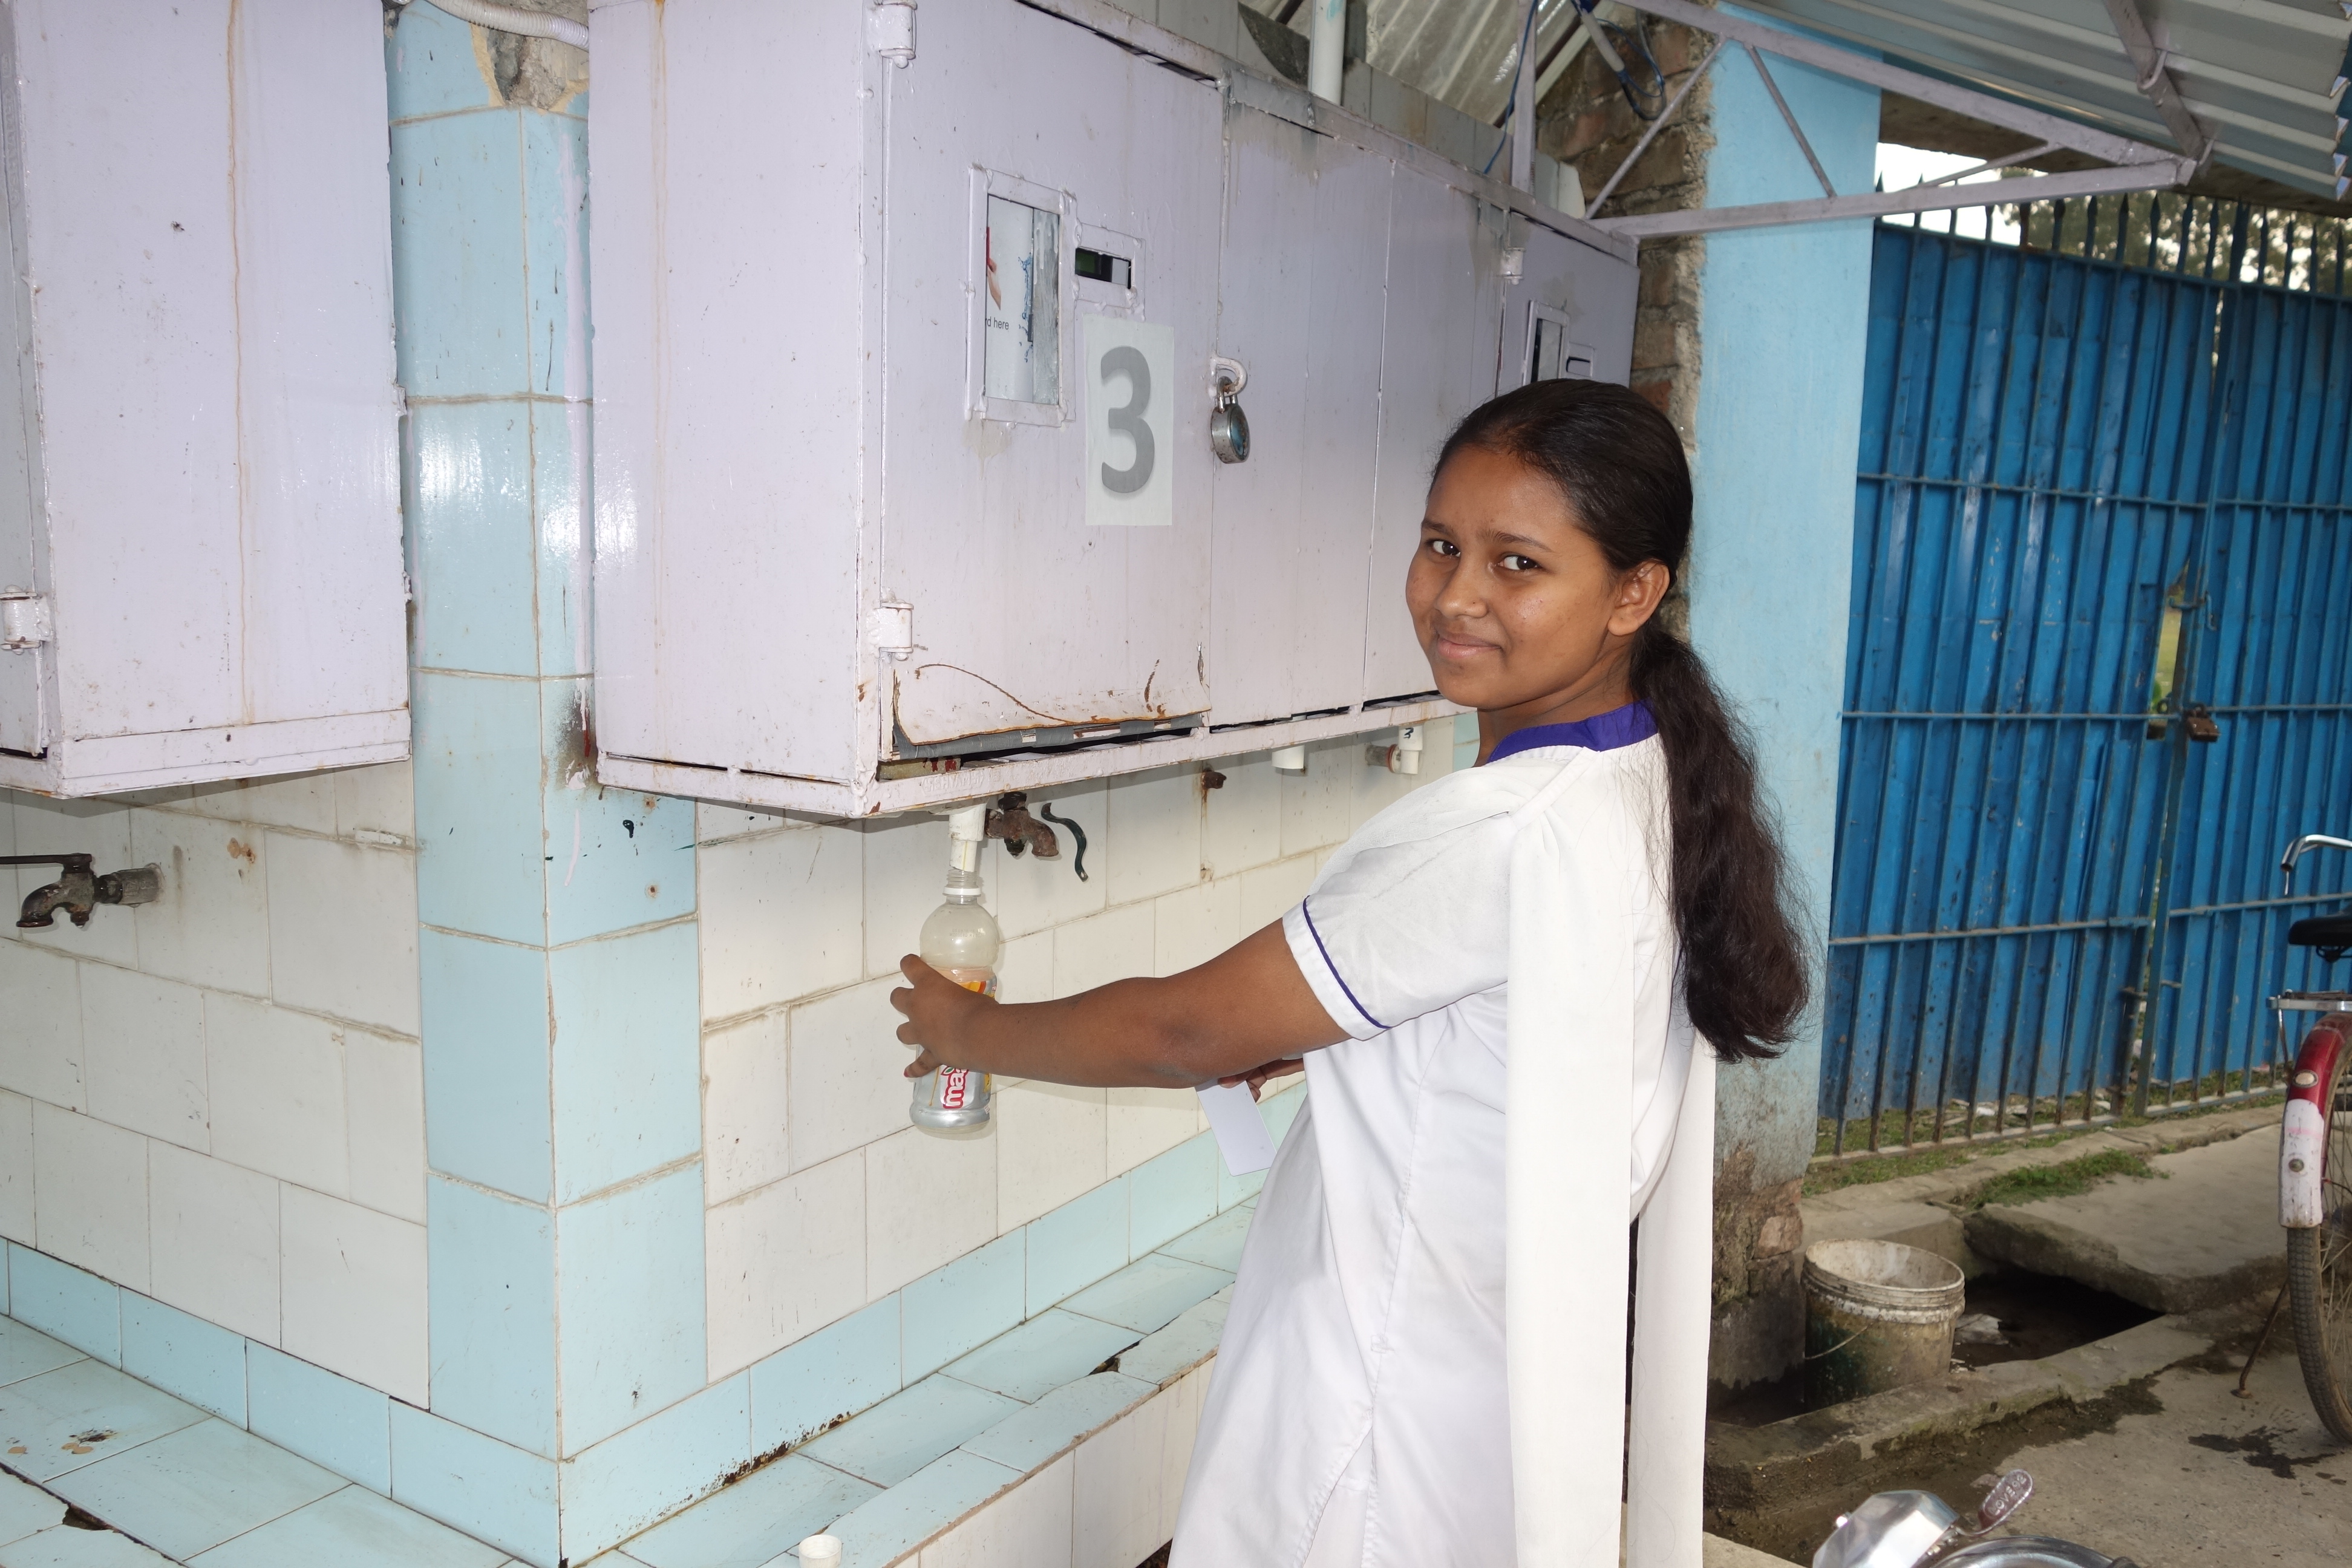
<point x="1063" y="1442"/>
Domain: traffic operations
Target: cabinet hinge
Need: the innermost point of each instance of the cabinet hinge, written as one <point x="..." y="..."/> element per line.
<point x="890" y="31"/>
<point x="24" y="620"/>
<point x="892" y="629"/>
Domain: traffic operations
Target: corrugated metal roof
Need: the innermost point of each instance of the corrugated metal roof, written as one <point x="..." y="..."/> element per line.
<point x="2259" y="74"/>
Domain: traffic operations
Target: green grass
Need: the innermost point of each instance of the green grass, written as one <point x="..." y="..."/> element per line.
<point x="2063" y="1181"/>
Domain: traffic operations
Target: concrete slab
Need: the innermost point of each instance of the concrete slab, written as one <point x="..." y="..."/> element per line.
<point x="1862" y="1213"/>
<point x="2204" y="1235"/>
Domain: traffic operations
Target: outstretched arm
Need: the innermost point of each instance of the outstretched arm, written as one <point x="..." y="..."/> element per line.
<point x="1244" y="1008"/>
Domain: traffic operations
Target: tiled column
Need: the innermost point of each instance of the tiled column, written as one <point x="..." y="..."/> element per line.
<point x="556" y="948"/>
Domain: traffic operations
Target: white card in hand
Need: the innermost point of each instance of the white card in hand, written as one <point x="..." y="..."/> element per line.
<point x="1242" y="1137"/>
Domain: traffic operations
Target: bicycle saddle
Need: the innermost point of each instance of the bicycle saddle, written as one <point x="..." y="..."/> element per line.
<point x="2331" y="934"/>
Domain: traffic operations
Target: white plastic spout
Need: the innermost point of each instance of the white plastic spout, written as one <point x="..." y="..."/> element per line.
<point x="967" y="830"/>
<point x="1290" y="759"/>
<point x="1408" y="749"/>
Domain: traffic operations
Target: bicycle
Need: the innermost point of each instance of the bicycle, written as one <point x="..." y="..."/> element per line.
<point x="2315" y="1161"/>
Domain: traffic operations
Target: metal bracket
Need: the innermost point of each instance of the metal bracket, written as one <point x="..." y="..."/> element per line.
<point x="2136" y="165"/>
<point x="2152" y="74"/>
<point x="890" y="31"/>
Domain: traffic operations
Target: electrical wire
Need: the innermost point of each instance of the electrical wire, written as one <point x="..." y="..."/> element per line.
<point x="1606" y="37"/>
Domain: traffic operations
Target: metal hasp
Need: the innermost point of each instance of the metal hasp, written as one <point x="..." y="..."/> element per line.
<point x="79" y="890"/>
<point x="2138" y="166"/>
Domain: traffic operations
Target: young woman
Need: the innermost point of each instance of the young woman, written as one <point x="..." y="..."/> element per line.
<point x="1494" y="986"/>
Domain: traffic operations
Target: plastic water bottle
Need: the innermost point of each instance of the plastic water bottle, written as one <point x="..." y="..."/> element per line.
<point x="961" y="942"/>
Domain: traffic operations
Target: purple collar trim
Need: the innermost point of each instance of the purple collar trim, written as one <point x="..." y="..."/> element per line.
<point x="1624" y="726"/>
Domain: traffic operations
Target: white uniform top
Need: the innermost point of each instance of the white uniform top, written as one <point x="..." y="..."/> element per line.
<point x="1359" y="1411"/>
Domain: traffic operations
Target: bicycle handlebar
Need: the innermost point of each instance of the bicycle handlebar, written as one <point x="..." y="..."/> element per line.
<point x="2294" y="852"/>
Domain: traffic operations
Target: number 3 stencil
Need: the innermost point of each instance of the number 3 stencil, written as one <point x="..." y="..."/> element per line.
<point x="1130" y="422"/>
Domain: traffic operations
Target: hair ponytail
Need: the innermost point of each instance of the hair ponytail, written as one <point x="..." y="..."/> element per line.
<point x="1620" y="465"/>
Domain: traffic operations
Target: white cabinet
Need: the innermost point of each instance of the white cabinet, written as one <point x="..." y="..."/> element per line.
<point x="904" y="487"/>
<point x="200" y="548"/>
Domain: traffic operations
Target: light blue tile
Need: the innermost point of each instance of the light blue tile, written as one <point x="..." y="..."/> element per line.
<point x="466" y="478"/>
<point x="1180" y="1347"/>
<point x="66" y="1303"/>
<point x="1077" y="1244"/>
<point x="971" y="1302"/>
<point x="28" y="1353"/>
<point x="195" y="1488"/>
<point x="202" y="1362"/>
<point x="835" y="1372"/>
<point x="631" y="1292"/>
<point x="555" y="216"/>
<point x="1218" y="1242"/>
<point x="355" y="1528"/>
<point x="1029" y="1437"/>
<point x="327" y="1419"/>
<point x="628" y="1058"/>
<point x="756" y="1520"/>
<point x="481" y="861"/>
<point x="457" y="256"/>
<point x="479" y="1485"/>
<point x="885" y="1527"/>
<point x="486" y="1089"/>
<point x="621" y="858"/>
<point x="51" y="1415"/>
<point x="430" y="66"/>
<point x="1148" y="1293"/>
<point x="490" y="1313"/>
<point x="1171" y="1192"/>
<point x="909" y="1430"/>
<point x="560" y="447"/>
<point x="634" y="1478"/>
<point x="25" y="1509"/>
<point x="67" y="1546"/>
<point x="1042" y="1354"/>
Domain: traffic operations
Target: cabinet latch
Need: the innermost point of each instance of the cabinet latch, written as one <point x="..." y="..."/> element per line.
<point x="890" y="31"/>
<point x="892" y="629"/>
<point x="24" y="620"/>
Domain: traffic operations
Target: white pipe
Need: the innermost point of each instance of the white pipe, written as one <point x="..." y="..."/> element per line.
<point x="967" y="830"/>
<point x="1290" y="759"/>
<point x="1326" y="47"/>
<point x="1523" y="110"/>
<point x="514" y="19"/>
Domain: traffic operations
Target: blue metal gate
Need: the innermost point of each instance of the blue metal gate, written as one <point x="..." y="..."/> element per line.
<point x="2090" y="495"/>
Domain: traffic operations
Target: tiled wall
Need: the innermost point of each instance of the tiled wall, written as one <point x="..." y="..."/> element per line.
<point x="822" y="1197"/>
<point x="216" y="1099"/>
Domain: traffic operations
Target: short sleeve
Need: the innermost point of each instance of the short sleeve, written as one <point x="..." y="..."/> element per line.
<point x="1400" y="930"/>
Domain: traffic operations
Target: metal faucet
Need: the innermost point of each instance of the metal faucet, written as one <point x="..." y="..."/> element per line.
<point x="78" y="890"/>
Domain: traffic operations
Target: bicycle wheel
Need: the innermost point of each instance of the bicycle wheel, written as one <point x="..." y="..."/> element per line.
<point x="2319" y="1266"/>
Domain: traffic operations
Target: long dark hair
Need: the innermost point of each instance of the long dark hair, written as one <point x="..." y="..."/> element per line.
<point x="1620" y="464"/>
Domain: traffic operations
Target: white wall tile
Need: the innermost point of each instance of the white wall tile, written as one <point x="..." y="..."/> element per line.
<point x="1155" y="833"/>
<point x="1241" y="823"/>
<point x="381" y="799"/>
<point x="713" y="821"/>
<point x="846" y="1083"/>
<point x="143" y="1054"/>
<point x="306" y="801"/>
<point x="213" y="1230"/>
<point x="89" y="1194"/>
<point x="745" y="1108"/>
<point x="100" y="829"/>
<point x="781" y="917"/>
<point x="1050" y="1143"/>
<point x="278" y="1092"/>
<point x="40" y="1026"/>
<point x="929" y="1200"/>
<point x="383" y="1093"/>
<point x="1268" y="892"/>
<point x="1186" y="1399"/>
<point x="1113" y="945"/>
<point x="353" y="1294"/>
<point x="211" y="927"/>
<point x="1117" y="1477"/>
<point x="905" y="866"/>
<point x="1148" y="1121"/>
<point x="1026" y="972"/>
<point x="1315" y="804"/>
<point x="1028" y="1526"/>
<point x="343" y="929"/>
<point x="1032" y="894"/>
<point x="1194" y="926"/>
<point x="783" y="1261"/>
<point x="16" y="1168"/>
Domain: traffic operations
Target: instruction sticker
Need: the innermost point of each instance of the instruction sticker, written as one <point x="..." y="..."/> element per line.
<point x="1130" y="405"/>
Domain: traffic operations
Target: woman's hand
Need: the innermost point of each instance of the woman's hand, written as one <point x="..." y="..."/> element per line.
<point x="1257" y="1075"/>
<point x="938" y="1013"/>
